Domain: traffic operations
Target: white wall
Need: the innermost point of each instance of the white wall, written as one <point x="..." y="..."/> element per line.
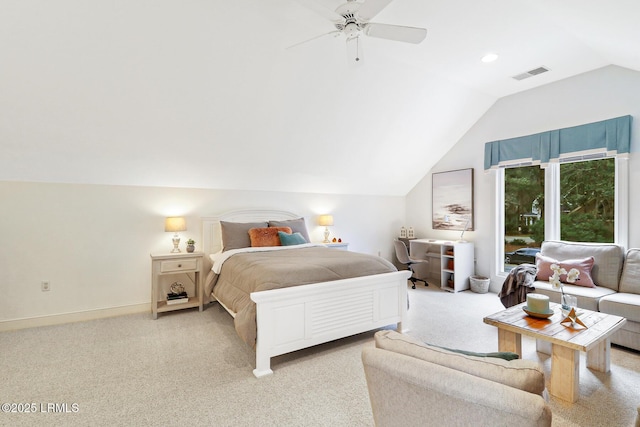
<point x="598" y="95"/>
<point x="92" y="242"/>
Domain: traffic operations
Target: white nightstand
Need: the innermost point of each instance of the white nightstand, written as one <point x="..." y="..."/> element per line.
<point x="338" y="245"/>
<point x="176" y="263"/>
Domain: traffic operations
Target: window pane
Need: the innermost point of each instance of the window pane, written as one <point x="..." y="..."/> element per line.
<point x="587" y="191"/>
<point x="523" y="214"/>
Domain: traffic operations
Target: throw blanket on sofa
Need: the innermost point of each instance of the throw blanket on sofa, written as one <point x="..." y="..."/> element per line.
<point x="517" y="285"/>
<point x="252" y="271"/>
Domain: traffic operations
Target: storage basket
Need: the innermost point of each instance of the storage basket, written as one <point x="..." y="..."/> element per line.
<point x="479" y="284"/>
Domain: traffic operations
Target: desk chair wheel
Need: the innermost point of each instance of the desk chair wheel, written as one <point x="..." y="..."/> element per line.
<point x="414" y="280"/>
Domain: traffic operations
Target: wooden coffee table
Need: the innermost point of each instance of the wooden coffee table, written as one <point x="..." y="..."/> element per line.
<point x="566" y="342"/>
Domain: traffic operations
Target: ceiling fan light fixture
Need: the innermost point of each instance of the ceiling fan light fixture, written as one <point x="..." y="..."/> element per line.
<point x="489" y="57"/>
<point x="351" y="30"/>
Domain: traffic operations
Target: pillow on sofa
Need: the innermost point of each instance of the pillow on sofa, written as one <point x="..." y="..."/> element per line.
<point x="296" y="225"/>
<point x="525" y="375"/>
<point x="287" y="239"/>
<point x="504" y="355"/>
<point x="608" y="257"/>
<point x="584" y="266"/>
<point x="266" y="236"/>
<point x="235" y="235"/>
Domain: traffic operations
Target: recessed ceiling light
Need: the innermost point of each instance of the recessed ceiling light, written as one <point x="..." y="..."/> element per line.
<point x="489" y="57"/>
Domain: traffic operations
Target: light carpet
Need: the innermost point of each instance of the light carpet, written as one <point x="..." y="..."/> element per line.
<point x="190" y="368"/>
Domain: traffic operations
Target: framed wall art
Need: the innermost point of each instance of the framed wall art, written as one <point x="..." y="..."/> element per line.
<point x="452" y="200"/>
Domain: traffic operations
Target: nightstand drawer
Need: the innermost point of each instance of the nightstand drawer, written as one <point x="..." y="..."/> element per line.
<point x="174" y="265"/>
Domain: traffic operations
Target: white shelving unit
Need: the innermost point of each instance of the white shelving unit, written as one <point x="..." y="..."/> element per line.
<point x="455" y="261"/>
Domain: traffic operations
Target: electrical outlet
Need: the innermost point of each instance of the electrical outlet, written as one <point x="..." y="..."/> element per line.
<point x="45" y="285"/>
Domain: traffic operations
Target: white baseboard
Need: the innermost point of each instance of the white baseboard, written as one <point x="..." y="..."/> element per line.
<point x="79" y="316"/>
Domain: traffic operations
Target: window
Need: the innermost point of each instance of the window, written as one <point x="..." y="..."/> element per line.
<point x="523" y="214"/>
<point x="586" y="206"/>
<point x="580" y="194"/>
<point x="587" y="201"/>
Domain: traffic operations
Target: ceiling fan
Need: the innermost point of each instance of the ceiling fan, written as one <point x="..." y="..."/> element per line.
<point x="353" y="20"/>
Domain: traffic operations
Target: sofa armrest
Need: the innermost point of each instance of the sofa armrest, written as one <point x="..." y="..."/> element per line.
<point x="411" y="392"/>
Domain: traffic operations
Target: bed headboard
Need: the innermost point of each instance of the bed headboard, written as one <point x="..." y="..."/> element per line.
<point x="211" y="234"/>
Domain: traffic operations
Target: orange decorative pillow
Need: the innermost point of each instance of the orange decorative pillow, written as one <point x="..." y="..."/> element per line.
<point x="584" y="266"/>
<point x="267" y="236"/>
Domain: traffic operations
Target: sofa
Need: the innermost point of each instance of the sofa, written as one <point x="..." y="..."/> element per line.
<point x="615" y="274"/>
<point x="412" y="383"/>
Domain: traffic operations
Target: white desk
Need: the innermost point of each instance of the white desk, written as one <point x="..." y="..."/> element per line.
<point x="455" y="260"/>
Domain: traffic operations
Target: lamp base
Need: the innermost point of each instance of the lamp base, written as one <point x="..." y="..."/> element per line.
<point x="326" y="235"/>
<point x="176" y="243"/>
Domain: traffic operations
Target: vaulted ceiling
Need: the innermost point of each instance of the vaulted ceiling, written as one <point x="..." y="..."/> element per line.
<point x="204" y="93"/>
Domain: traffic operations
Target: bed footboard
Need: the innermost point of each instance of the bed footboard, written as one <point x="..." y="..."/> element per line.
<point x="298" y="317"/>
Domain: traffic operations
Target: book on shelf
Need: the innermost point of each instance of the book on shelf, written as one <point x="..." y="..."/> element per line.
<point x="177" y="301"/>
<point x="177" y="298"/>
<point x="173" y="295"/>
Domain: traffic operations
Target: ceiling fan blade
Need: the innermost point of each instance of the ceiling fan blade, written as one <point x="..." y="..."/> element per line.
<point x="396" y="32"/>
<point x="335" y="33"/>
<point x="322" y="10"/>
<point x="371" y="8"/>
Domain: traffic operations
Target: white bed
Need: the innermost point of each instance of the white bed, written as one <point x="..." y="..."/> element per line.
<point x="302" y="316"/>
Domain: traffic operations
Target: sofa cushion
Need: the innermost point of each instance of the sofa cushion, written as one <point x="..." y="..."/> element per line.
<point x="522" y="374"/>
<point x="630" y="280"/>
<point x="622" y="304"/>
<point x="608" y="258"/>
<point x="587" y="297"/>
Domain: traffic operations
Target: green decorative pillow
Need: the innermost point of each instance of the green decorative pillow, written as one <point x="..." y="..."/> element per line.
<point x="291" y="239"/>
<point x="506" y="355"/>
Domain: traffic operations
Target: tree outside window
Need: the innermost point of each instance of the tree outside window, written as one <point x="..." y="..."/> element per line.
<point x="523" y="213"/>
<point x="587" y="207"/>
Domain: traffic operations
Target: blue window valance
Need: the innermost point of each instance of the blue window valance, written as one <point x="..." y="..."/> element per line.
<point x="606" y="138"/>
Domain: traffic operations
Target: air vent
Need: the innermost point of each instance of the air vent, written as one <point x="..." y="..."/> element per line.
<point x="531" y="73"/>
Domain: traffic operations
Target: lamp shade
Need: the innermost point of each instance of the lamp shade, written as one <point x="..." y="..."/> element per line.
<point x="175" y="224"/>
<point x="325" y="220"/>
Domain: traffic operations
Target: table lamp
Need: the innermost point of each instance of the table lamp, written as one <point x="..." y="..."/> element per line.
<point x="466" y="225"/>
<point x="175" y="224"/>
<point x="325" y="221"/>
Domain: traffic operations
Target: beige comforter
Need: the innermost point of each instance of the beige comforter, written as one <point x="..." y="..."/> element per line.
<point x="244" y="273"/>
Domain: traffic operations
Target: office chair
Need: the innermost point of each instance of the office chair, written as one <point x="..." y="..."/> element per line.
<point x="403" y="256"/>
